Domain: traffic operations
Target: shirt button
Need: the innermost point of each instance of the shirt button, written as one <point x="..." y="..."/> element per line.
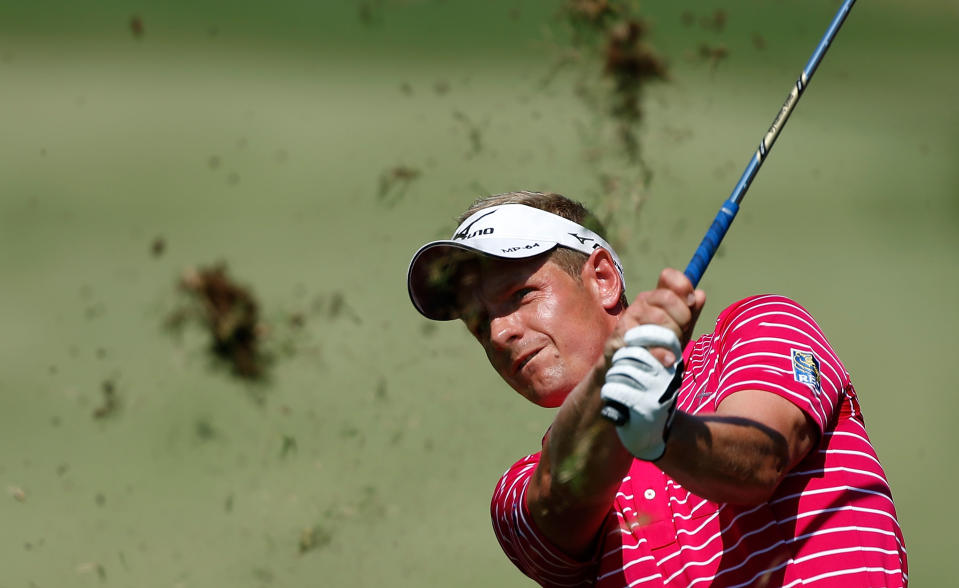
<point x="649" y="494"/>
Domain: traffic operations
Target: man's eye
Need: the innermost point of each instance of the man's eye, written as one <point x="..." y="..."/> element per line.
<point x="520" y="294"/>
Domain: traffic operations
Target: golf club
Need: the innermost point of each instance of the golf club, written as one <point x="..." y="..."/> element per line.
<point x="619" y="414"/>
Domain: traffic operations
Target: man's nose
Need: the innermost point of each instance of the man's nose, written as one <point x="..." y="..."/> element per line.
<point x="505" y="329"/>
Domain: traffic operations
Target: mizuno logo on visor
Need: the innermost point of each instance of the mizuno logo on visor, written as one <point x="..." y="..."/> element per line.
<point x="465" y="233"/>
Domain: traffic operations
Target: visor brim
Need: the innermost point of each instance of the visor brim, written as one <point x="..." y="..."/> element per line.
<point x="433" y="275"/>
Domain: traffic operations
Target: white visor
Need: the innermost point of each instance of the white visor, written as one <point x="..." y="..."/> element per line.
<point x="507" y="231"/>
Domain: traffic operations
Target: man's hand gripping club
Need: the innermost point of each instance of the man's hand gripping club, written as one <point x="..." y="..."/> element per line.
<point x="639" y="385"/>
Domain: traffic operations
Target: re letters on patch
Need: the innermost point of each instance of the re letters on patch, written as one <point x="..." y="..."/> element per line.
<point x="806" y="369"/>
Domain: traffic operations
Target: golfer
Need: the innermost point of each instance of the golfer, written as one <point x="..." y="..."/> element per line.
<point x="743" y="459"/>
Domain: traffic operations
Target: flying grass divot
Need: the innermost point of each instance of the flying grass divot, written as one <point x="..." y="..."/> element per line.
<point x="231" y="316"/>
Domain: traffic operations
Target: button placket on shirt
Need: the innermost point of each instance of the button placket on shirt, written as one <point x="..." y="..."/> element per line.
<point x="650" y="500"/>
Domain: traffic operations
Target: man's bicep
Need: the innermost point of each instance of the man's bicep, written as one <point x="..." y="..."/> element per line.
<point x="782" y="417"/>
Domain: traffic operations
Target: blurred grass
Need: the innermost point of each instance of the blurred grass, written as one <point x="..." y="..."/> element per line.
<point x="400" y="429"/>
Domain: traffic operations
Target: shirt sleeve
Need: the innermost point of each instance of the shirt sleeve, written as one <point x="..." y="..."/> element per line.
<point x="771" y="343"/>
<point x="522" y="542"/>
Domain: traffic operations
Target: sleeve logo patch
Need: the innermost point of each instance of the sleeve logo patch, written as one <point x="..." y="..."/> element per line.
<point x="806" y="369"/>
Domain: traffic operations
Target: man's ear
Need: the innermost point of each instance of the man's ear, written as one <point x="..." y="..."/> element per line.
<point x="599" y="273"/>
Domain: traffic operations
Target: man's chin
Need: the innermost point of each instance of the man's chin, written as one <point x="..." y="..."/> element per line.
<point x="552" y="401"/>
<point x="545" y="398"/>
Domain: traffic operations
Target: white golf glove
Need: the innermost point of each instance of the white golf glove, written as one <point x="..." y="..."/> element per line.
<point x="643" y="391"/>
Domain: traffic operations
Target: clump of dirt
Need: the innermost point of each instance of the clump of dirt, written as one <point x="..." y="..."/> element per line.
<point x="394" y="182"/>
<point x="230" y="314"/>
<point x="759" y="41"/>
<point x="370" y="12"/>
<point x="632" y="64"/>
<point x="111" y="401"/>
<point x="474" y="132"/>
<point x="715" y="22"/>
<point x="334" y="305"/>
<point x="612" y="35"/>
<point x="158" y="246"/>
<point x="594" y="12"/>
<point x="616" y="66"/>
<point x="713" y="55"/>
<point x="315" y="537"/>
<point x="136" y="26"/>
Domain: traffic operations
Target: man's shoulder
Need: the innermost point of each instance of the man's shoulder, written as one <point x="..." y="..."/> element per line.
<point x="757" y="305"/>
<point x="521" y="467"/>
<point x="512" y="483"/>
<point x="746" y="316"/>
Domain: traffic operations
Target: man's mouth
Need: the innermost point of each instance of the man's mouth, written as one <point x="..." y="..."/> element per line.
<point x="524" y="359"/>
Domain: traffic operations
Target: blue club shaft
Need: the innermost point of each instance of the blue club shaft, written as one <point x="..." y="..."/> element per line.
<point x="618" y="413"/>
<point x="727" y="212"/>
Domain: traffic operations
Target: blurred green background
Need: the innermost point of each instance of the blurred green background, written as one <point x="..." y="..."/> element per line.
<point x="268" y="136"/>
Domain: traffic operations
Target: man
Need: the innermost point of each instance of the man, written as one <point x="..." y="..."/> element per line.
<point x="750" y="467"/>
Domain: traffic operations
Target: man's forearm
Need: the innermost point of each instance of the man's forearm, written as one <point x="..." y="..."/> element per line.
<point x="725" y="458"/>
<point x="580" y="470"/>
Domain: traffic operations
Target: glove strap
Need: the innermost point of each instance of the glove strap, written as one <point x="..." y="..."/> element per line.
<point x="671" y="390"/>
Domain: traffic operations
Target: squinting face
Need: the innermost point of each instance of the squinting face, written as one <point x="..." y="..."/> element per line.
<point x="542" y="329"/>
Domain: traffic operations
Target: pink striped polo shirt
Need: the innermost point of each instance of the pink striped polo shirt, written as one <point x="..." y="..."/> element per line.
<point x="831" y="522"/>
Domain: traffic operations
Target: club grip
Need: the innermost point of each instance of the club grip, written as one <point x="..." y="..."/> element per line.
<point x="711" y="240"/>
<point x="615" y="412"/>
